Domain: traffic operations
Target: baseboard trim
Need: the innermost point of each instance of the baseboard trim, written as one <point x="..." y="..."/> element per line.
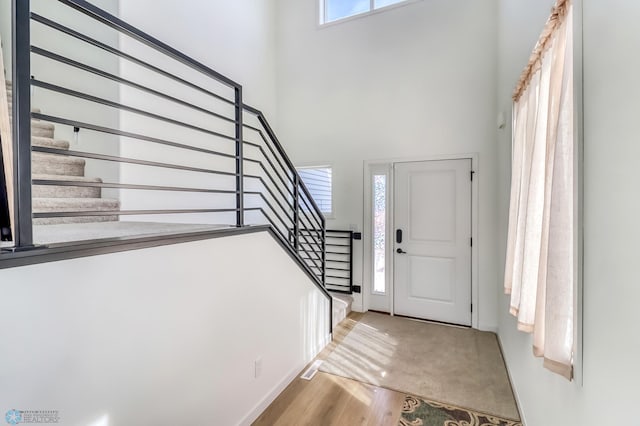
<point x="510" y="377"/>
<point x="280" y="387"/>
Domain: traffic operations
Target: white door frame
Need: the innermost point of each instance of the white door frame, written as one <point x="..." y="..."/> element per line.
<point x="367" y="274"/>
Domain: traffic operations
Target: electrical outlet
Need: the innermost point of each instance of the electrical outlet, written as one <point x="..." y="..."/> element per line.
<point x="257" y="367"/>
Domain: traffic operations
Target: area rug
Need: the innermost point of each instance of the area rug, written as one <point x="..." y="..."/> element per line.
<point x="419" y="412"/>
<point x="461" y="366"/>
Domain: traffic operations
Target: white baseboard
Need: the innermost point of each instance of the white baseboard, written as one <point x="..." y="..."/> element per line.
<point x="356" y="307"/>
<point x="513" y="388"/>
<point x="278" y="388"/>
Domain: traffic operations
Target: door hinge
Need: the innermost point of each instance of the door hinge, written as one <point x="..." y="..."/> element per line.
<point x="472" y="173"/>
<point x="471" y="241"/>
<point x="472" y="308"/>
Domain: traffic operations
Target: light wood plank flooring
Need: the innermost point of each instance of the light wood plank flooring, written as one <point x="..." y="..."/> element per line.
<point x="332" y="400"/>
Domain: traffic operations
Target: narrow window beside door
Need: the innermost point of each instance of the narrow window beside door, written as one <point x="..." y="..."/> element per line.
<point x="379" y="232"/>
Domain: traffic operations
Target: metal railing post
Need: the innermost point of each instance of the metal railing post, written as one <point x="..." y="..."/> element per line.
<point x="21" y="67"/>
<point x="323" y="233"/>
<point x="351" y="261"/>
<point x="296" y="212"/>
<point x="239" y="159"/>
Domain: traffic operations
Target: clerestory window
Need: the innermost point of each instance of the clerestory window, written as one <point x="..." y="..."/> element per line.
<point x="335" y="10"/>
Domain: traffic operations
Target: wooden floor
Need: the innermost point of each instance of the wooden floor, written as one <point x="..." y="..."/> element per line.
<point x="331" y="400"/>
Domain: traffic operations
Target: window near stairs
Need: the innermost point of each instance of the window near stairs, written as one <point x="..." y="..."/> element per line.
<point x="318" y="180"/>
<point x="336" y="10"/>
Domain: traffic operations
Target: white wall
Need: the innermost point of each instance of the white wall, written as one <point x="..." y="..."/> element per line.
<point x="611" y="346"/>
<point x="160" y="336"/>
<point x="235" y="38"/>
<point x="412" y="82"/>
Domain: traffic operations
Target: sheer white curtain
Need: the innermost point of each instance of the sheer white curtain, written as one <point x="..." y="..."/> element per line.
<point x="540" y="263"/>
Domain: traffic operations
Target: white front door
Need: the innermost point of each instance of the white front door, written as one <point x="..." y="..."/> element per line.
<point x="432" y="240"/>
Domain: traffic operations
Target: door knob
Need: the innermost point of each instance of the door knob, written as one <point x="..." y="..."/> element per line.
<point x="400" y="251"/>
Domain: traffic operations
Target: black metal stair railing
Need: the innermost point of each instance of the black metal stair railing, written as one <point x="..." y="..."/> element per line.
<point x="339" y="261"/>
<point x="185" y="146"/>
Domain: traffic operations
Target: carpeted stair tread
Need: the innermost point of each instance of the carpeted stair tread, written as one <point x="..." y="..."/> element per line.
<point x="45" y="205"/>
<point x="58" y="191"/>
<point x="51" y="164"/>
<point x="42" y="129"/>
<point x="49" y="143"/>
<point x="75" y="204"/>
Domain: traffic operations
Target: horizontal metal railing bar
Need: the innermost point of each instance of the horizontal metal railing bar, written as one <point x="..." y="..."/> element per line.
<point x="53" y="182"/>
<point x="266" y="157"/>
<point x="315" y="220"/>
<point x="309" y="258"/>
<point x="310" y="208"/>
<point x="88" y="213"/>
<point x="312" y="231"/>
<point x="119" y="106"/>
<point x="248" y="126"/>
<point x="336" y="277"/>
<point x="304" y="215"/>
<point x="272" y="151"/>
<point x="284" y="209"/>
<point x="317" y="255"/>
<point x="284" y="223"/>
<point x="265" y="186"/>
<point x="310" y="245"/>
<point x="116" y="132"/>
<point x="337" y="261"/>
<point x="313" y="261"/>
<point x="113" y="77"/>
<point x="264" y="169"/>
<point x="267" y="143"/>
<point x="306" y="244"/>
<point x="288" y="188"/>
<point x="42" y="20"/>
<point x="69" y="153"/>
<point x="315" y="240"/>
<point x="123" y="27"/>
<point x="337" y="252"/>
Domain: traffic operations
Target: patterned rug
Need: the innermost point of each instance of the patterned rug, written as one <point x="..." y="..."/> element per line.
<point x="418" y="412"/>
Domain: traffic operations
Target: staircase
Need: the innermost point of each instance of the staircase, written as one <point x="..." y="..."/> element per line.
<point x="57" y="198"/>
